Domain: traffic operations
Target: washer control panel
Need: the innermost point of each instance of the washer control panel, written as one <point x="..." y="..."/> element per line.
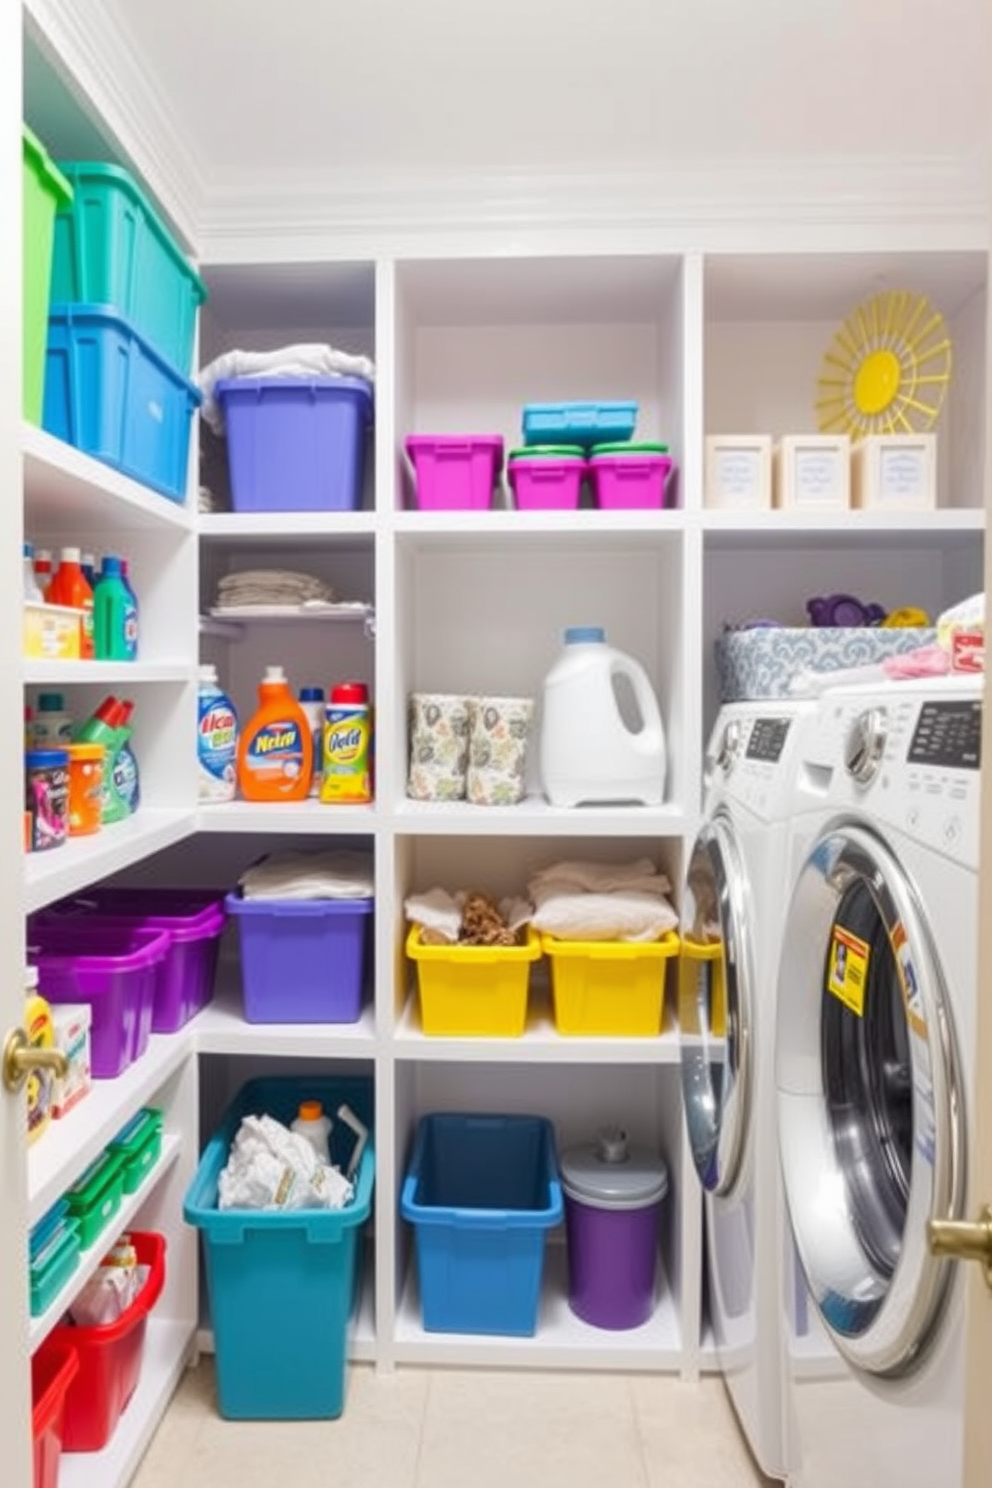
<point x="767" y="739"/>
<point x="948" y="735"/>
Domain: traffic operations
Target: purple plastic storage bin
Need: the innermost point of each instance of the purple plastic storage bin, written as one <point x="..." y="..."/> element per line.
<point x="302" y="960"/>
<point x="194" y="921"/>
<point x="113" y="968"/>
<point x="455" y="472"/>
<point x="630" y="481"/>
<point x="612" y="1207"/>
<point x="295" y="444"/>
<point x="547" y="484"/>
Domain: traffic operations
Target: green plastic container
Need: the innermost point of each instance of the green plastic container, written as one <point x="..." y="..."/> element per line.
<point x="140" y="1145"/>
<point x="96" y="1197"/>
<point x="113" y="250"/>
<point x="548" y="452"/>
<point x="51" y="1267"/>
<point x="45" y="192"/>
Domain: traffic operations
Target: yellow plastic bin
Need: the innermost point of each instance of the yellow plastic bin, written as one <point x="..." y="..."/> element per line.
<point x="702" y="988"/>
<point x="45" y="192"/>
<point x="473" y="991"/>
<point x="609" y="989"/>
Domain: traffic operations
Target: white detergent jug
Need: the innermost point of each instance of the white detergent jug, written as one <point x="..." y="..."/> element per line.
<point x="589" y="754"/>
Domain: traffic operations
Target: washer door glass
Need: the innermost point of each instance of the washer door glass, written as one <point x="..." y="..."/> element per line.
<point x="870" y="1122"/>
<point x="714" y="1006"/>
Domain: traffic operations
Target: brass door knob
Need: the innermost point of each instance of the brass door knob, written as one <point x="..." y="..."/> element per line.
<point x="964" y="1240"/>
<point x="20" y="1058"/>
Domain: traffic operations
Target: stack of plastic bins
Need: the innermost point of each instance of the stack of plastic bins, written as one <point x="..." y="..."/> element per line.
<point x="121" y="331"/>
<point x="283" y="1286"/>
<point x="45" y="191"/>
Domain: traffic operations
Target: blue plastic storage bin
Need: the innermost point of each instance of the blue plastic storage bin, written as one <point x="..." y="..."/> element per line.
<point x="584" y="424"/>
<point x="481" y="1192"/>
<point x="283" y="1287"/>
<point x="110" y="393"/>
<point x="296" y="445"/>
<point x="113" y="249"/>
<point x="302" y="960"/>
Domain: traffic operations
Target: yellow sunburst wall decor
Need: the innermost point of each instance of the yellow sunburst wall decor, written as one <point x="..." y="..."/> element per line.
<point x="887" y="369"/>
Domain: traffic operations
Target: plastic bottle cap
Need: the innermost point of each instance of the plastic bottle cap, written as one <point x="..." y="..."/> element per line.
<point x="310" y="1110"/>
<point x="311" y="694"/>
<point x="579" y="635"/>
<point x="350" y="692"/>
<point x="208" y="673"/>
<point x="89" y="560"/>
<point x="85" y="751"/>
<point x="274" y="674"/>
<point x="111" y="567"/>
<point x="30" y="978"/>
<point x="46" y="759"/>
<point x="51" y="702"/>
<point x="69" y="555"/>
<point x="42" y="555"/>
<point x="28" y="550"/>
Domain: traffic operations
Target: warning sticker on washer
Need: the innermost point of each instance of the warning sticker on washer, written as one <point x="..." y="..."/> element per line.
<point x="848" y="969"/>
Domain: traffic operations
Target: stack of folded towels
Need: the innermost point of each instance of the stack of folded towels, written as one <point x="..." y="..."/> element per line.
<point x="271" y="586"/>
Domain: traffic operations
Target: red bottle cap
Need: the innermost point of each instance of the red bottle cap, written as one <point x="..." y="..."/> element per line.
<point x="107" y="711"/>
<point x="350" y="692"/>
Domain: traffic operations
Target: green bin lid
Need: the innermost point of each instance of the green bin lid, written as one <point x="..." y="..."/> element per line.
<point x="631" y="448"/>
<point x="549" y="452"/>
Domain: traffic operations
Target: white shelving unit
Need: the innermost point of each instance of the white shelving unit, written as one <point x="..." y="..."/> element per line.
<point x="712" y="341"/>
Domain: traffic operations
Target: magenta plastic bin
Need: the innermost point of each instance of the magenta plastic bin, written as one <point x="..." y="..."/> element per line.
<point x="113" y="968"/>
<point x="302" y="960"/>
<point x="629" y="482"/>
<point x="547" y="484"/>
<point x="455" y="472"/>
<point x="295" y="444"/>
<point x="194" y="921"/>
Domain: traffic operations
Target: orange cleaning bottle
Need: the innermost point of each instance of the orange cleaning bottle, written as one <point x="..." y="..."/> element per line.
<point x="70" y="587"/>
<point x="275" y="751"/>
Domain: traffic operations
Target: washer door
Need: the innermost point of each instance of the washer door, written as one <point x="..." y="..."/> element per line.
<point x="871" y="1126"/>
<point x="715" y="982"/>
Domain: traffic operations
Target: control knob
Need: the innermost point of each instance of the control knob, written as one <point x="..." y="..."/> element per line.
<point x="865" y="745"/>
<point x="730" y="746"/>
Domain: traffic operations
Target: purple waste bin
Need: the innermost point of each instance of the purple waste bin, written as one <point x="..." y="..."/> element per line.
<point x="613" y="1195"/>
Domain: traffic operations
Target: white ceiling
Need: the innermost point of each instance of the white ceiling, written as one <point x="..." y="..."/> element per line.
<point x="373" y="89"/>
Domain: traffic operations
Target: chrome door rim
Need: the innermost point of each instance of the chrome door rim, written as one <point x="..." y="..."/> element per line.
<point x="904" y="1308"/>
<point x="717" y="840"/>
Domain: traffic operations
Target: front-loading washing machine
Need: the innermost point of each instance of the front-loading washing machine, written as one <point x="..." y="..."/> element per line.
<point x="876" y="1002"/>
<point x="734" y="907"/>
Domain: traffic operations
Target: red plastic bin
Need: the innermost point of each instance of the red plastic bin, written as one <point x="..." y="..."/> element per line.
<point x="110" y="1358"/>
<point x="53" y="1369"/>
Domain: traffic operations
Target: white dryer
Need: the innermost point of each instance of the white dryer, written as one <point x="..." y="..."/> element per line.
<point x="876" y="1001"/>
<point x="734" y="906"/>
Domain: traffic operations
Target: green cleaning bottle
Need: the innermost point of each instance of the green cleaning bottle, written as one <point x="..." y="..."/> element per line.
<point x="115" y="621"/>
<point x="109" y="726"/>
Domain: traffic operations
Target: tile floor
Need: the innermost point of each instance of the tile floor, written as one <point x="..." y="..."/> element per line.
<point x="448" y="1429"/>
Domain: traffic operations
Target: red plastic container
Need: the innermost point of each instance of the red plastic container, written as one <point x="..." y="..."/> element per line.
<point x="455" y="472"/>
<point x="110" y="1358"/>
<point x="629" y="479"/>
<point x="53" y="1369"/>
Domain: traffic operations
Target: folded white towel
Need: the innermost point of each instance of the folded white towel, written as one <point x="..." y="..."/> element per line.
<point x="271" y="586"/>
<point x="342" y="874"/>
<point x="577" y="900"/>
<point x="640" y="875"/>
<point x="304" y="360"/>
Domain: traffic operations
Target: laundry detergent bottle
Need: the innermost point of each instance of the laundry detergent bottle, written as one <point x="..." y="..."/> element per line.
<point x="275" y="753"/>
<point x="602" y="738"/>
<point x="216" y="740"/>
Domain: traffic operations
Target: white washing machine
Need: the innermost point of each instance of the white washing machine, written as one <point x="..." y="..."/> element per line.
<point x="876" y="1001"/>
<point x="734" y="907"/>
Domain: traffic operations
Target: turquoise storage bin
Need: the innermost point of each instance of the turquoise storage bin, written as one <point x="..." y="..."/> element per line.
<point x="481" y="1193"/>
<point x="283" y="1287"/>
<point x="112" y="248"/>
<point x="110" y="393"/>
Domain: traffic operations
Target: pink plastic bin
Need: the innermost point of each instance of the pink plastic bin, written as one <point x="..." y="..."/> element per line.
<point x="455" y="472"/>
<point x="630" y="481"/>
<point x="547" y="484"/>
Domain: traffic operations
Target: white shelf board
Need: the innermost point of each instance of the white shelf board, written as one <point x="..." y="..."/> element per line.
<point x="562" y="1341"/>
<point x="90" y="1259"/>
<point x="167" y="1348"/>
<point x="67" y="1147"/>
<point x="221" y="1029"/>
<point x="257" y="527"/>
<point x="67" y="491"/>
<point x="535" y="817"/>
<point x="84" y="860"/>
<point x="304" y="817"/>
<point x="586" y="525"/>
<point x="232" y="625"/>
<point x="947" y="526"/>
<point x="107" y="673"/>
<point x="540" y="1044"/>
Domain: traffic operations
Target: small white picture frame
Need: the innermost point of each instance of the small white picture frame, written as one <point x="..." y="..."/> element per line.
<point x="738" y="472"/>
<point x="812" y="472"/>
<point x="895" y="472"/>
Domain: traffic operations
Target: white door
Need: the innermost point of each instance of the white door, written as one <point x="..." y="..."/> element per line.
<point x="15" y="1415"/>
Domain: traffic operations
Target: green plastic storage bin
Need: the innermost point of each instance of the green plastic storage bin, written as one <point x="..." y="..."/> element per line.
<point x="45" y="192"/>
<point x="96" y="1197"/>
<point x="113" y="250"/>
<point x="140" y="1145"/>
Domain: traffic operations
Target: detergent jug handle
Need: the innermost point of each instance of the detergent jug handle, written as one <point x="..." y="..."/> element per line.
<point x="650" y="738"/>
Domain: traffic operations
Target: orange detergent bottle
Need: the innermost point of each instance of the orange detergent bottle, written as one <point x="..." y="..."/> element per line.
<point x="275" y="752"/>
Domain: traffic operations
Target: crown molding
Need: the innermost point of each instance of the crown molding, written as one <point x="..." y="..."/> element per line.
<point x="110" y="75"/>
<point x="829" y="204"/>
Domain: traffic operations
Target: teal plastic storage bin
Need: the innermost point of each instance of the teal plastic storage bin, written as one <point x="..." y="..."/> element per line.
<point x="283" y="1287"/>
<point x="481" y="1193"/>
<point x="112" y="248"/>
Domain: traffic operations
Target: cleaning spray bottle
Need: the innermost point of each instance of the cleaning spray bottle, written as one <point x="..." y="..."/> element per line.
<point x="216" y="739"/>
<point x="110" y="726"/>
<point x="275" y="752"/>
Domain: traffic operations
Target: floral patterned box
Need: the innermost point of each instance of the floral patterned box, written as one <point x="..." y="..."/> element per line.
<point x="761" y="663"/>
